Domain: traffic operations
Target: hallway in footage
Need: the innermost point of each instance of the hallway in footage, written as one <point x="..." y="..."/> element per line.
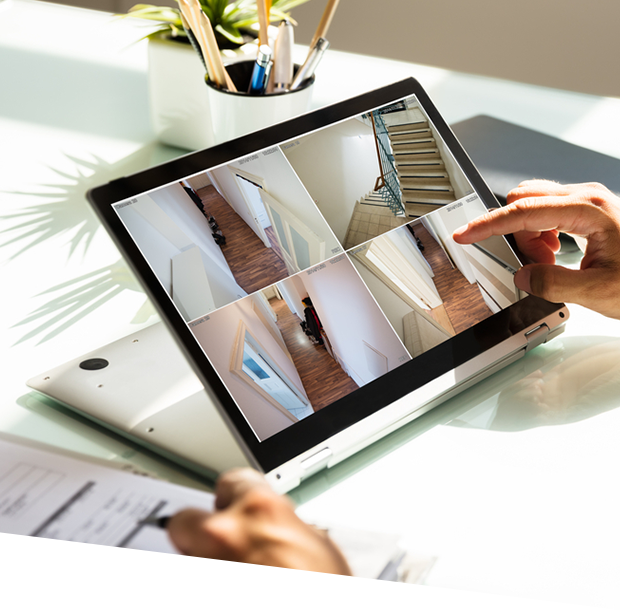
<point x="253" y="265"/>
<point x="463" y="302"/>
<point x="322" y="377"/>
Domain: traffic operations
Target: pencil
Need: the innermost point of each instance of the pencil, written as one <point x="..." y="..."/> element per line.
<point x="215" y="52"/>
<point x="263" y="22"/>
<point x="191" y="10"/>
<point x="325" y="22"/>
<point x="190" y="36"/>
<point x="205" y="36"/>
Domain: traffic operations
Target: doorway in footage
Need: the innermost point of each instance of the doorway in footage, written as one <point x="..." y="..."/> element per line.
<point x="293" y="241"/>
<point x="270" y="227"/>
<point x="253" y="364"/>
<point x="431" y="287"/>
<point x="274" y="364"/>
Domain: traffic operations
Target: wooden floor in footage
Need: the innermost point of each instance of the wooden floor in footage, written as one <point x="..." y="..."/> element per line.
<point x="253" y="265"/>
<point x="462" y="300"/>
<point x="323" y="379"/>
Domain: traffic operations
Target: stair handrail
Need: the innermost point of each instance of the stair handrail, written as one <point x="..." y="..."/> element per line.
<point x="387" y="184"/>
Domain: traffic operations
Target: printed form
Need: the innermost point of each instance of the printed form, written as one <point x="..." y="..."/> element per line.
<point x="55" y="496"/>
<point x="49" y="494"/>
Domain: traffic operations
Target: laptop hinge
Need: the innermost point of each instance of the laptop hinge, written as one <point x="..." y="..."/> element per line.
<point x="317" y="461"/>
<point x="536" y="336"/>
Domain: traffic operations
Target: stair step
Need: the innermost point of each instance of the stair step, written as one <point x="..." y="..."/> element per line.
<point x="413" y="145"/>
<point x="426" y="187"/>
<point x="400" y="127"/>
<point x="438" y="199"/>
<point x="420" y="151"/>
<point x="420" y="209"/>
<point x="423" y="176"/>
<point x="405" y="135"/>
<point x="409" y="157"/>
<point x="406" y="168"/>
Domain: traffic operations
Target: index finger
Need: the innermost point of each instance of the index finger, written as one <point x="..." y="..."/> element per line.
<point x="543" y="214"/>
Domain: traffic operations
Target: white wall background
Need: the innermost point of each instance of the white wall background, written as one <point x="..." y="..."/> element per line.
<point x="394" y="308"/>
<point x="294" y="291"/>
<point x="338" y="166"/>
<point x="158" y="250"/>
<point x="568" y="44"/>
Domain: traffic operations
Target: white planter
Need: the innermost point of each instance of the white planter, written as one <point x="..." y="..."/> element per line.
<point x="185" y="112"/>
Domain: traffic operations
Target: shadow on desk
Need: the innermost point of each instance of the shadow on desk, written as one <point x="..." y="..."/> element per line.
<point x="59" y="209"/>
<point x="565" y="381"/>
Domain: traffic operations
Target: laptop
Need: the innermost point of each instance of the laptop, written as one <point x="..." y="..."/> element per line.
<point x="311" y="296"/>
<point x="507" y="154"/>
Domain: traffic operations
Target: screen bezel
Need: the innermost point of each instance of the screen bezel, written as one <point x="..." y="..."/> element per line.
<point x="309" y="432"/>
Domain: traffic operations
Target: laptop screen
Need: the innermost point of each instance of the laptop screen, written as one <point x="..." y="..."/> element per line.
<point x="308" y="272"/>
<point x="309" y="269"/>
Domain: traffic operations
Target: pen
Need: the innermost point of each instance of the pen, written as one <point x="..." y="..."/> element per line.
<point x="283" y="56"/>
<point x="260" y="74"/>
<point x="326" y="19"/>
<point x="312" y="61"/>
<point x="161" y="522"/>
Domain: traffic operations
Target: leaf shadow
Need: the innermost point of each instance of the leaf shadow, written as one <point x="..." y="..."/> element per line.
<point x="76" y="298"/>
<point x="64" y="211"/>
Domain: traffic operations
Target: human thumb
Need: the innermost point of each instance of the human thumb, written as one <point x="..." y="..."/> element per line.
<point x="558" y="284"/>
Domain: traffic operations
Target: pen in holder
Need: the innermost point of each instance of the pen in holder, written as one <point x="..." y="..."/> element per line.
<point x="234" y="114"/>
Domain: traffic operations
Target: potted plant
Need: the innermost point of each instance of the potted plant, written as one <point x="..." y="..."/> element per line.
<point x="177" y="92"/>
<point x="234" y="21"/>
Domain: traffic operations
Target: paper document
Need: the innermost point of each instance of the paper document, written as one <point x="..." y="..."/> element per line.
<point x="50" y="495"/>
<point x="70" y="539"/>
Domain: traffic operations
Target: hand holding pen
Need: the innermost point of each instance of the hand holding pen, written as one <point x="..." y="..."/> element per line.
<point x="252" y="524"/>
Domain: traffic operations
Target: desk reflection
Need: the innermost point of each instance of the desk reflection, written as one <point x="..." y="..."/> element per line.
<point x="577" y="380"/>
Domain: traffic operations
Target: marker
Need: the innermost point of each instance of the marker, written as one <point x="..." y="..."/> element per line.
<point x="160" y="522"/>
<point x="312" y="61"/>
<point x="260" y="74"/>
<point x="283" y="57"/>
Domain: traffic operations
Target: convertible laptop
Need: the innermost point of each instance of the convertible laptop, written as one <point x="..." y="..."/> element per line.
<point x="308" y="275"/>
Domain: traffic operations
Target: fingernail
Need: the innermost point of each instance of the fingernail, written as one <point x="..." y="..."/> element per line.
<point x="522" y="279"/>
<point x="461" y="230"/>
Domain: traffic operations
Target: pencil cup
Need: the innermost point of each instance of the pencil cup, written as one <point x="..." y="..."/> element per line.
<point x="236" y="114"/>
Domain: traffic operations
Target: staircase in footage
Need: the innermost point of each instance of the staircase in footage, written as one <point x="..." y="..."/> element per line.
<point x="424" y="182"/>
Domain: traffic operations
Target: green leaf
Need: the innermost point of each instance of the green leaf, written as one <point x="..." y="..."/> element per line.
<point x="228" y="17"/>
<point x="286" y="5"/>
<point x="155" y="13"/>
<point x="231" y="33"/>
<point x="219" y="8"/>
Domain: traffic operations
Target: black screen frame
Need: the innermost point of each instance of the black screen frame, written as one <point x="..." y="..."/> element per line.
<point x="309" y="432"/>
